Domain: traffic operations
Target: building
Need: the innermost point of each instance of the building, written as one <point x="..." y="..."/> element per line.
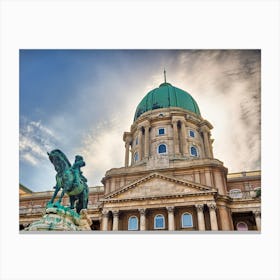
<point x="170" y="179"/>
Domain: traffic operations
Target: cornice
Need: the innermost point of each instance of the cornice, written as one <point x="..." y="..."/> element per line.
<point x="188" y="164"/>
<point x="155" y="197"/>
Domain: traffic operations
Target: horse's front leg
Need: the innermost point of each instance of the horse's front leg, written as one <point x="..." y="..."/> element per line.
<point x="61" y="196"/>
<point x="55" y="193"/>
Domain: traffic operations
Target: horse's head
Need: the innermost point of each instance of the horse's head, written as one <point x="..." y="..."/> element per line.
<point x="59" y="160"/>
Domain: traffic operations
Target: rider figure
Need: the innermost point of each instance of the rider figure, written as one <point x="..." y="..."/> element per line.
<point x="79" y="162"/>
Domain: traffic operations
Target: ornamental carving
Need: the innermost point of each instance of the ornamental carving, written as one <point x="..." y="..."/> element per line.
<point x="142" y="211"/>
<point x="170" y="209"/>
<point x="199" y="207"/>
<point x="212" y="206"/>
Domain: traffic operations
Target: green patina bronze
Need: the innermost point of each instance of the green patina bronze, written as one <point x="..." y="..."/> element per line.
<point x="70" y="179"/>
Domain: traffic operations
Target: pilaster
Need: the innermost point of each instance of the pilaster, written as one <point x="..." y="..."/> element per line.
<point x="257" y="215"/>
<point x="171" y="222"/>
<point x="213" y="217"/>
<point x="200" y="216"/>
<point x="175" y="137"/>
<point x="115" y="220"/>
<point x="142" y="219"/>
<point x="105" y="214"/>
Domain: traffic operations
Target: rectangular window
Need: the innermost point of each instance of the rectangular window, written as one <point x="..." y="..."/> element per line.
<point x="161" y="131"/>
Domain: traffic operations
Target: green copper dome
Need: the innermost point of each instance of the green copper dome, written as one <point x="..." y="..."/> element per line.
<point x="166" y="96"/>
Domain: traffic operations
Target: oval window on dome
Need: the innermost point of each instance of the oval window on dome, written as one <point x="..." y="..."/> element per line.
<point x="191" y="133"/>
<point x="162" y="149"/>
<point x="194" y="151"/>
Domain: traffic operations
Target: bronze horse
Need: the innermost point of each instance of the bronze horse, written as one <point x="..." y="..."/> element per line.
<point x="70" y="179"/>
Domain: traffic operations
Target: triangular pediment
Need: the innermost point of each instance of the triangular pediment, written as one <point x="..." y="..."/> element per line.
<point x="157" y="185"/>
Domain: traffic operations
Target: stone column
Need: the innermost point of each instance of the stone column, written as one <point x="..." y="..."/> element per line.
<point x="225" y="218"/>
<point x="171" y="222"/>
<point x="127" y="138"/>
<point x="257" y="214"/>
<point x="105" y="214"/>
<point x="175" y="138"/>
<point x="147" y="141"/>
<point x="200" y="216"/>
<point x="116" y="220"/>
<point x="142" y="219"/>
<point x="213" y="216"/>
<point x="140" y="142"/>
<point x="205" y="132"/>
<point x="126" y="154"/>
<point x="184" y="138"/>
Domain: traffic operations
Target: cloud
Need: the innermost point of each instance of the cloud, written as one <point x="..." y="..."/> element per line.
<point x="35" y="140"/>
<point x="226" y="85"/>
<point x="102" y="149"/>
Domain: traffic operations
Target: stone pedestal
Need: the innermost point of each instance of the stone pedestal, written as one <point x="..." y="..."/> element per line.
<point x="60" y="218"/>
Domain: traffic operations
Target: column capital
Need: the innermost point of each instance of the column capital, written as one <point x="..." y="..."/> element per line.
<point x="170" y="209"/>
<point x="116" y="213"/>
<point x="142" y="211"/>
<point x="127" y="137"/>
<point x="257" y="213"/>
<point x="212" y="205"/>
<point x="199" y="207"/>
<point x="145" y="123"/>
<point x="105" y="212"/>
<point x="174" y="122"/>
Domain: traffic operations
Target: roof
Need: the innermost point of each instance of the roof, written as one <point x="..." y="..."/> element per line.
<point x="24" y="190"/>
<point x="165" y="96"/>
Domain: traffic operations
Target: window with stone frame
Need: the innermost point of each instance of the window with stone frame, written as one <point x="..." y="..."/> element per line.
<point x="133" y="223"/>
<point x="159" y="222"/>
<point x="161" y="131"/>
<point x="194" y="151"/>
<point x="162" y="149"/>
<point x="187" y="220"/>
<point x="191" y="133"/>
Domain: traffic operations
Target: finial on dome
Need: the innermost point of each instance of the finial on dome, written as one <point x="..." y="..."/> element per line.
<point x="164" y="75"/>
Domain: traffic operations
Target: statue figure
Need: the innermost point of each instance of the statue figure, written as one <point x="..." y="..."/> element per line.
<point x="70" y="180"/>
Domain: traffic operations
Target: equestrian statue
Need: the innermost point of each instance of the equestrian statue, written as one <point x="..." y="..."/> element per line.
<point x="70" y="179"/>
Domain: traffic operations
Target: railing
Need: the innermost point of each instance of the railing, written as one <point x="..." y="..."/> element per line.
<point x="34" y="210"/>
<point x="243" y="194"/>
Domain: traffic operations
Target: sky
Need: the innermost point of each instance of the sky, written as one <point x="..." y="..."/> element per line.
<point x="81" y="102"/>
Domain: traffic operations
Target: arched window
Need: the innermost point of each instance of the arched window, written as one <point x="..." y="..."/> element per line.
<point x="136" y="157"/>
<point x="187" y="220"/>
<point x="235" y="193"/>
<point x="162" y="149"/>
<point x="136" y="141"/>
<point x="242" y="226"/>
<point x="194" y="152"/>
<point x="191" y="133"/>
<point x="159" y="222"/>
<point x="161" y="131"/>
<point x="133" y="223"/>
